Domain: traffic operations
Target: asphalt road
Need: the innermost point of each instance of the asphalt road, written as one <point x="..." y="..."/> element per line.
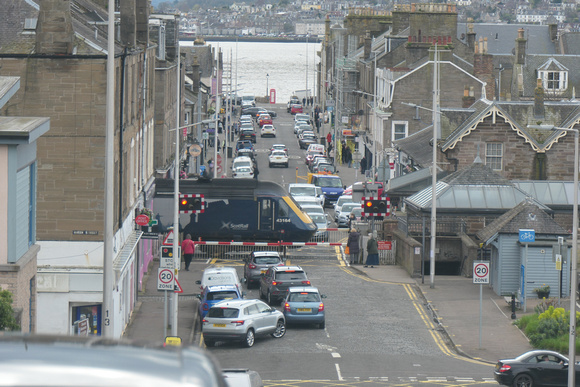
<point x="377" y="333"/>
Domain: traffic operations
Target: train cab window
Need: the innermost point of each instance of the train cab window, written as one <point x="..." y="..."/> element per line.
<point x="283" y="209"/>
<point x="266" y="214"/>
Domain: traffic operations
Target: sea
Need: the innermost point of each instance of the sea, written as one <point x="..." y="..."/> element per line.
<point x="286" y="67"/>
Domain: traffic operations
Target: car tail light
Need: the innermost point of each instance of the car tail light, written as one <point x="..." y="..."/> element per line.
<point x="505" y="368"/>
<point x="306" y="282"/>
<point x="205" y="306"/>
<point x="274" y="283"/>
<point x="238" y="322"/>
<point x="204" y="321"/>
<point x="287" y="307"/>
<point x="321" y="307"/>
<point x="252" y="266"/>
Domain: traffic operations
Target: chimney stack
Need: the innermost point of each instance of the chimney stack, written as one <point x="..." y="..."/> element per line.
<point x="470" y="35"/>
<point x="468" y="98"/>
<point x="483" y="67"/>
<point x="367" y="45"/>
<point x="539" y="100"/>
<point x="521" y="47"/>
<point x="128" y="23"/>
<point x="54" y="31"/>
<point x="142" y="21"/>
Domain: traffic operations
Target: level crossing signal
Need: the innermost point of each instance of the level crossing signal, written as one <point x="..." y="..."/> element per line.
<point x="191" y="204"/>
<point x="375" y="206"/>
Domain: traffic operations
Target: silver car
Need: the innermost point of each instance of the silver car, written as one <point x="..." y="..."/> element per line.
<point x="243" y="321"/>
<point x="344" y="212"/>
<point x="258" y="263"/>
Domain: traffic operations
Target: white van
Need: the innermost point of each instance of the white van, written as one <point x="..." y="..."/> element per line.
<point x="220" y="276"/>
<point x="302" y="189"/>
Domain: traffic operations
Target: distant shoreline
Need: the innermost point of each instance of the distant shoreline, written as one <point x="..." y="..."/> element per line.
<point x="246" y="38"/>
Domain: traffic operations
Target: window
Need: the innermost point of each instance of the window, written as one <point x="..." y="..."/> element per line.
<point x="554" y="76"/>
<point x="399" y="130"/>
<point x="494" y="156"/>
<point x="553" y="81"/>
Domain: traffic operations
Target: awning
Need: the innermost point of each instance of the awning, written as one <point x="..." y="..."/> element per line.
<point x="121" y="260"/>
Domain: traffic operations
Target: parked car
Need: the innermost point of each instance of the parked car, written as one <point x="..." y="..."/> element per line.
<point x="219" y="276"/>
<point x="297" y="126"/>
<point x="268" y="130"/>
<point x="344" y="213"/>
<point x="306" y="140"/>
<point x="242" y="161"/>
<point x="323" y="167"/>
<point x="264" y="119"/>
<point x="242" y="377"/>
<point x="245" y="144"/>
<point x="278" y="157"/>
<point x="248" y="134"/>
<point x="243" y="321"/>
<point x="303" y="305"/>
<point x="246" y="152"/>
<point x="293" y="101"/>
<point x="257" y="263"/>
<point x="277" y="279"/>
<point x="243" y="173"/>
<point x="302" y="117"/>
<point x="296" y="108"/>
<point x="216" y="293"/>
<point x="536" y="368"/>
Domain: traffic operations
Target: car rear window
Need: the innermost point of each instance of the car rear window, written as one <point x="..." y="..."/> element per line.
<point x="290" y="275"/>
<point x="266" y="260"/>
<point x="222" y="295"/>
<point x="304" y="297"/>
<point x="223" y="312"/>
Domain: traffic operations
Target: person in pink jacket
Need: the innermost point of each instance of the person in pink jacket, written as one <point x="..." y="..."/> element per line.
<point x="187" y="249"/>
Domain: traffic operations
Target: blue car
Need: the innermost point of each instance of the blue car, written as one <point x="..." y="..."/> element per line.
<point x="303" y="305"/>
<point x="216" y="293"/>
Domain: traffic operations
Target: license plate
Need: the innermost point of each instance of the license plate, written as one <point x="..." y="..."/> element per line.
<point x="304" y="310"/>
<point x="263" y="271"/>
<point x="219" y="325"/>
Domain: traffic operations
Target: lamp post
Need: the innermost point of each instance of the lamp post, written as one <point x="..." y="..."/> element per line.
<point x="574" y="263"/>
<point x="267" y="87"/>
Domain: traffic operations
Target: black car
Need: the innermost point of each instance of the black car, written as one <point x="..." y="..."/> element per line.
<point x="255" y="111"/>
<point x="248" y="134"/>
<point x="307" y="140"/>
<point x="534" y="369"/>
<point x="275" y="282"/>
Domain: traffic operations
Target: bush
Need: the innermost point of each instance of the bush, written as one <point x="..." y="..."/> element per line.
<point x="7" y="320"/>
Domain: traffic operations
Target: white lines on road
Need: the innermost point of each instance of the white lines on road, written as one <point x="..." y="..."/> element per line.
<point x="335" y="354"/>
<point x="338" y="371"/>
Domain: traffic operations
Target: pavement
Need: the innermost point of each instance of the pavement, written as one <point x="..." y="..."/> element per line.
<point x="453" y="300"/>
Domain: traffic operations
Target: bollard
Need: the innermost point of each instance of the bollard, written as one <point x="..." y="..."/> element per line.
<point x="513" y="306"/>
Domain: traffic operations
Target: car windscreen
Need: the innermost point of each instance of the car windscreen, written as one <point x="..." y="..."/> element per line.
<point x="348" y="207"/>
<point x="302" y="191"/>
<point x="266" y="260"/>
<point x="304" y="297"/>
<point x="222" y="295"/>
<point x="290" y="275"/>
<point x="223" y="312"/>
<point x="330" y="182"/>
<point x="317" y="218"/>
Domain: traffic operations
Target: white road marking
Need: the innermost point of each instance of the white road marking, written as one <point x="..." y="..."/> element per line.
<point x="334" y="354"/>
<point x="338" y="372"/>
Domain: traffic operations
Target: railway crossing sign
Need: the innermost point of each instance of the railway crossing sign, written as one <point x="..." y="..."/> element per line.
<point x="165" y="279"/>
<point x="480" y="272"/>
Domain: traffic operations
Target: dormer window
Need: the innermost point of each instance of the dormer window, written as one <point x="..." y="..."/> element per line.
<point x="554" y="76"/>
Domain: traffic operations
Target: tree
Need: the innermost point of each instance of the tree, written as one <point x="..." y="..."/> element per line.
<point x="7" y="320"/>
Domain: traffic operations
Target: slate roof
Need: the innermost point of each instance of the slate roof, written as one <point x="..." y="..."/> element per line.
<point x="476" y="174"/>
<point x="501" y="38"/>
<point x="526" y="215"/>
<point x="570" y="43"/>
<point x="534" y="62"/>
<point x="418" y="146"/>
<point x="87" y="19"/>
<point x="413" y="182"/>
<point x="519" y="115"/>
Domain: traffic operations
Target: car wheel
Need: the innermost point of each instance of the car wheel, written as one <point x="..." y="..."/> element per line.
<point x="322" y="325"/>
<point x="261" y="294"/>
<point x="280" y="329"/>
<point x="523" y="380"/>
<point x="269" y="299"/>
<point x="250" y="338"/>
<point x="270" y="165"/>
<point x="209" y="343"/>
<point x="286" y="165"/>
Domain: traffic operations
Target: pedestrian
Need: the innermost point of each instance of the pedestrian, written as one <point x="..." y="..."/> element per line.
<point x="363" y="165"/>
<point x="304" y="101"/>
<point x="348" y="156"/>
<point x="328" y="138"/>
<point x="353" y="245"/>
<point x="372" y="250"/>
<point x="256" y="172"/>
<point x="210" y="165"/>
<point x="219" y="144"/>
<point x="187" y="248"/>
<point x="311" y="101"/>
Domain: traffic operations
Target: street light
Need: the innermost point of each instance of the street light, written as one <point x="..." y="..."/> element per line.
<point x="574" y="266"/>
<point x="267" y="89"/>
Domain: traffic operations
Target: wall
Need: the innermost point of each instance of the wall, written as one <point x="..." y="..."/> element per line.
<point x="406" y="256"/>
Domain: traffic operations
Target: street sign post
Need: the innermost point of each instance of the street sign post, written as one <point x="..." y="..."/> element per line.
<point x="165" y="279"/>
<point x="480" y="276"/>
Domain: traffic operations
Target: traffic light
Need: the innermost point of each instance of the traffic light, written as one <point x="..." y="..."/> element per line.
<point x="191" y="204"/>
<point x="166" y="251"/>
<point x="375" y="206"/>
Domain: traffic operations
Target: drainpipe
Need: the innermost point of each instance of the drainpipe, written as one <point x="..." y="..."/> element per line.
<point x="121" y="130"/>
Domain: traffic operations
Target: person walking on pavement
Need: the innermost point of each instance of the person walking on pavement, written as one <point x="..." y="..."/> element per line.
<point x="363" y="165"/>
<point x="372" y="251"/>
<point x="188" y="248"/>
<point x="256" y="172"/>
<point x="353" y="245"/>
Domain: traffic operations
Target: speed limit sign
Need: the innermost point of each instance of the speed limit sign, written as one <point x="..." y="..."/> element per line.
<point x="480" y="272"/>
<point x="165" y="279"/>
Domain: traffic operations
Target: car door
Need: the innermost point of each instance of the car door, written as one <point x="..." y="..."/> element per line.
<point x="551" y="372"/>
<point x="265" y="281"/>
<point x="267" y="318"/>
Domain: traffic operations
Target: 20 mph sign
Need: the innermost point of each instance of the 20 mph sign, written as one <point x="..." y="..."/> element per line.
<point x="165" y="279"/>
<point x="480" y="272"/>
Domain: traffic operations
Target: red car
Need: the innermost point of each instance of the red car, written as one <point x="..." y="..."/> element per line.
<point x="265" y="119"/>
<point x="296" y="108"/>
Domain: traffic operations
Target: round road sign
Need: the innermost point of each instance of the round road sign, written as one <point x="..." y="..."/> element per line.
<point x="195" y="150"/>
<point x="480" y="272"/>
<point x="165" y="279"/>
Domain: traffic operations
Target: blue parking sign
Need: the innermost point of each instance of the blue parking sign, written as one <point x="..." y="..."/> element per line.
<point x="527" y="236"/>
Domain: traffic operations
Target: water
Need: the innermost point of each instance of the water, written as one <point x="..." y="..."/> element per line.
<point x="279" y="66"/>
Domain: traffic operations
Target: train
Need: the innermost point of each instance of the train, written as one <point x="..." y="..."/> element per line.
<point x="236" y="210"/>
